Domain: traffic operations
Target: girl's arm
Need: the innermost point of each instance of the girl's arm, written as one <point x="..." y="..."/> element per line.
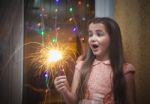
<point x="63" y="87"/>
<point x="130" y="87"/>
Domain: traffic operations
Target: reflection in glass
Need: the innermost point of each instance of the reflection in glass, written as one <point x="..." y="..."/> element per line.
<point x="52" y="22"/>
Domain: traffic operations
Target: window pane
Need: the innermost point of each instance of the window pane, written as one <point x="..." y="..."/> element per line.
<point x="52" y="26"/>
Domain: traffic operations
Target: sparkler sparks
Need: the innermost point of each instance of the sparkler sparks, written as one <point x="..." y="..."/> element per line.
<point x="52" y="56"/>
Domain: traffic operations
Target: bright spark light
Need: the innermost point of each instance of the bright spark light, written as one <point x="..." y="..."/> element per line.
<point x="52" y="56"/>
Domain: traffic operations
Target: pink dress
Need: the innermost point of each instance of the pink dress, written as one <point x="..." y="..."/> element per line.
<point x="100" y="82"/>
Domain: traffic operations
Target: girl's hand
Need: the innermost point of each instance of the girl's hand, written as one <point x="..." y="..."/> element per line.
<point x="61" y="84"/>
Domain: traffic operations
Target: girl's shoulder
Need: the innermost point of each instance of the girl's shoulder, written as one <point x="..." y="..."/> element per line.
<point x="127" y="68"/>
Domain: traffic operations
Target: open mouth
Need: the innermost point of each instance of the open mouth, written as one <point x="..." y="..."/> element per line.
<point x="94" y="46"/>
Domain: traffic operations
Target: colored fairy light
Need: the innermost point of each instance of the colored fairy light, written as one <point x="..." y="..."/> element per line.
<point x="40" y="14"/>
<point x="79" y="2"/>
<point x="70" y="9"/>
<point x="39" y="24"/>
<point x="54" y="40"/>
<point x="43" y="9"/>
<point x="83" y="18"/>
<point x="70" y="19"/>
<point x="58" y="28"/>
<point x="56" y="10"/>
<point x="87" y="5"/>
<point x="57" y="1"/>
<point x="46" y="75"/>
<point x="42" y="33"/>
<point x="74" y="29"/>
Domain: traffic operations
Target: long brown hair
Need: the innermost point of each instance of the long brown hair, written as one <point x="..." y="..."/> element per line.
<point x="116" y="59"/>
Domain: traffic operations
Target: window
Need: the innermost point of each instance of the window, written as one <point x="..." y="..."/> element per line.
<point x="52" y="23"/>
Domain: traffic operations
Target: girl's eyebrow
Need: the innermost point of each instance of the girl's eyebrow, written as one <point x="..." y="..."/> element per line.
<point x="89" y="31"/>
<point x="99" y="31"/>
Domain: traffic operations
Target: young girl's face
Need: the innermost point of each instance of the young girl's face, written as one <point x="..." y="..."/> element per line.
<point x="99" y="40"/>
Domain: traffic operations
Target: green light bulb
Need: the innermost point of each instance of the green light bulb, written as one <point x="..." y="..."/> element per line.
<point x="54" y="40"/>
<point x="42" y="33"/>
<point x="70" y="9"/>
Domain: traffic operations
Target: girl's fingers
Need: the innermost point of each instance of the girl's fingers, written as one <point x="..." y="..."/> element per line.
<point x="60" y="77"/>
<point x="59" y="80"/>
<point x="60" y="83"/>
<point x="60" y="87"/>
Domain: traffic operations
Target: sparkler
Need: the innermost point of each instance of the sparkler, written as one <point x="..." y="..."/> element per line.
<point x="52" y="56"/>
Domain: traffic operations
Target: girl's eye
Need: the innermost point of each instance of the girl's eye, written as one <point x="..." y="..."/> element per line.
<point x="100" y="34"/>
<point x="90" y="34"/>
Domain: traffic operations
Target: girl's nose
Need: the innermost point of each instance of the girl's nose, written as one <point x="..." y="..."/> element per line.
<point x="93" y="38"/>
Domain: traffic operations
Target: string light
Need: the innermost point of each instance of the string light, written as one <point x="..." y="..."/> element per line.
<point x="74" y="29"/>
<point x="42" y="28"/>
<point x="39" y="24"/>
<point x="56" y="10"/>
<point x="57" y="1"/>
<point x="83" y="18"/>
<point x="46" y="74"/>
<point x="88" y="5"/>
<point x="70" y="9"/>
<point x="79" y="2"/>
<point x="54" y="40"/>
<point x="70" y="19"/>
<point x="43" y="9"/>
<point x="40" y="14"/>
<point x="58" y="28"/>
<point x="42" y="33"/>
<point x="51" y="56"/>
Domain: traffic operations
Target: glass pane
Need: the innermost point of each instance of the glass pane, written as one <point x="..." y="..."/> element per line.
<point x="55" y="34"/>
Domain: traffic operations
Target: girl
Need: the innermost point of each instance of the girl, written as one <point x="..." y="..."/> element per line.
<point x="103" y="77"/>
